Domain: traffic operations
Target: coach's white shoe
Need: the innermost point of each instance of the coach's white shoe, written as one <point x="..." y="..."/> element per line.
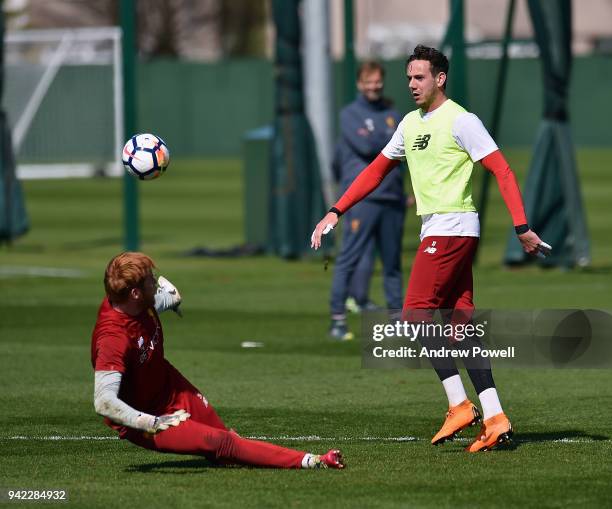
<point x="339" y="331"/>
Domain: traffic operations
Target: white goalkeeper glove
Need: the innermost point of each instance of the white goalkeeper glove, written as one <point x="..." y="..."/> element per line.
<point x="163" y="422"/>
<point x="167" y="297"/>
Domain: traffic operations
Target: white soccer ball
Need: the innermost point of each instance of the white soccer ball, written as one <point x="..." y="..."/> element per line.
<point x="146" y="156"/>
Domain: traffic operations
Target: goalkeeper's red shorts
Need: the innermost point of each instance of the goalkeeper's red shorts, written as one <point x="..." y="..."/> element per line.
<point x="441" y="276"/>
<point x="205" y="434"/>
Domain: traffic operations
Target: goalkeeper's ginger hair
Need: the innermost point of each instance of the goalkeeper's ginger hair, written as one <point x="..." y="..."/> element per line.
<point x="126" y="271"/>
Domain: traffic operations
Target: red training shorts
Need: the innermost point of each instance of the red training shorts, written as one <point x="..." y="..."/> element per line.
<point x="441" y="275"/>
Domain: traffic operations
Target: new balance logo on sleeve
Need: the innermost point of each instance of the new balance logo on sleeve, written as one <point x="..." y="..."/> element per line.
<point x="421" y="142"/>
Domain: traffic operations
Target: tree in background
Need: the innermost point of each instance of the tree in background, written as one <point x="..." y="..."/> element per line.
<point x="243" y="25"/>
<point x="188" y="29"/>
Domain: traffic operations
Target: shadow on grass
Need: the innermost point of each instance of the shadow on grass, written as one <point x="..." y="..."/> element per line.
<point x="559" y="436"/>
<point x="520" y="439"/>
<point x="187" y="466"/>
<point x="597" y="270"/>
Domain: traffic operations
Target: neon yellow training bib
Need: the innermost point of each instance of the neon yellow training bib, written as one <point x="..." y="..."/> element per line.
<point x="440" y="170"/>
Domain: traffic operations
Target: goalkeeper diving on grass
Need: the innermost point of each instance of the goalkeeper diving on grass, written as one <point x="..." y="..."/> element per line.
<point x="441" y="141"/>
<point x="145" y="398"/>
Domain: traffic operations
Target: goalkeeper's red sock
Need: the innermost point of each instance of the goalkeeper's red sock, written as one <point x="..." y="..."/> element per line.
<point x="235" y="449"/>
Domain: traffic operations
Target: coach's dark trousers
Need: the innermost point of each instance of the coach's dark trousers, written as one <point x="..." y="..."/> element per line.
<point x="382" y="221"/>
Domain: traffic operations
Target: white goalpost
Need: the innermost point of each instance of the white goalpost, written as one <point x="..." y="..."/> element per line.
<point x="64" y="99"/>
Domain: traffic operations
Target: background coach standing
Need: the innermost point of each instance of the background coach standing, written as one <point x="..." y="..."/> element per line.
<point x="366" y="126"/>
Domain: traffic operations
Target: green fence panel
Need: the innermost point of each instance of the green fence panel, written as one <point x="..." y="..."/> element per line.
<point x="205" y="109"/>
<point x="257" y="185"/>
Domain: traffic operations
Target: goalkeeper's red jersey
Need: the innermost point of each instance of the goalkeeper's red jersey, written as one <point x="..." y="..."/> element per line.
<point x="134" y="346"/>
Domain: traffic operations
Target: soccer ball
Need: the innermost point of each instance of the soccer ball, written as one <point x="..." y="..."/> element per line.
<point x="146" y="156"/>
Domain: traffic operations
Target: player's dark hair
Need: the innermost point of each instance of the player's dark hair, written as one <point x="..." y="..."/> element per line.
<point x="436" y="59"/>
<point x="368" y="67"/>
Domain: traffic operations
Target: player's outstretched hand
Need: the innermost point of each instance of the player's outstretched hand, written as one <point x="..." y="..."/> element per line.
<point x="163" y="422"/>
<point x="167" y="297"/>
<point x="326" y="225"/>
<point x="533" y="244"/>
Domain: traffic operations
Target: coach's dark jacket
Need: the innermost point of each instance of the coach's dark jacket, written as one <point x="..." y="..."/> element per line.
<point x="365" y="129"/>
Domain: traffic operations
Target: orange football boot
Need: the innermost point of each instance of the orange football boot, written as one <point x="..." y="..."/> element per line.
<point x="495" y="431"/>
<point x="458" y="418"/>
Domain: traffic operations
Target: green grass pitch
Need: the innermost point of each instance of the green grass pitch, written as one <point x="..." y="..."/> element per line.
<point x="300" y="389"/>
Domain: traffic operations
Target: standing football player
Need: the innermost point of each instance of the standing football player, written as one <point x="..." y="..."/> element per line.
<point x="145" y="398"/>
<point x="441" y="141"/>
